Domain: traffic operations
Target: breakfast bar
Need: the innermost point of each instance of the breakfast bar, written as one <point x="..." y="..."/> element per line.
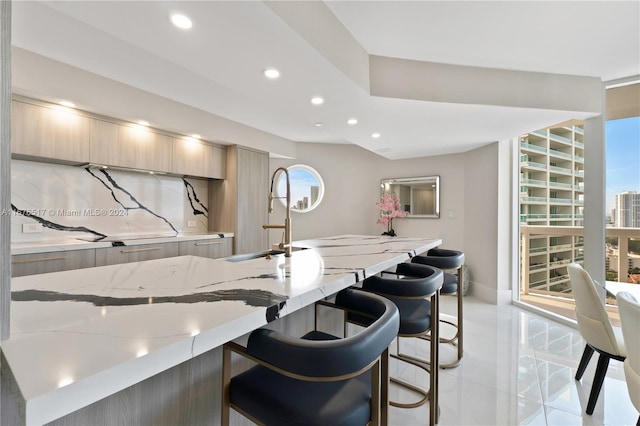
<point x="80" y="336"/>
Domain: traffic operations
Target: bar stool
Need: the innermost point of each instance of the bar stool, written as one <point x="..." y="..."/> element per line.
<point x="318" y="379"/>
<point x="418" y="318"/>
<point x="449" y="260"/>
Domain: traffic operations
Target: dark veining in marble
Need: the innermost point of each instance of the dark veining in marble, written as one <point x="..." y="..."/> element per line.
<point x="52" y="225"/>
<point x="273" y="312"/>
<point x="256" y="297"/>
<point x="115" y="185"/>
<point x="255" y="277"/>
<point x="191" y="194"/>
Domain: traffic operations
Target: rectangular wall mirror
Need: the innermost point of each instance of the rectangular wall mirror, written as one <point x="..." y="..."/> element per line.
<point x="420" y="196"/>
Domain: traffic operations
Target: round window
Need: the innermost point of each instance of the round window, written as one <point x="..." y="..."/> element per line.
<point x="307" y="188"/>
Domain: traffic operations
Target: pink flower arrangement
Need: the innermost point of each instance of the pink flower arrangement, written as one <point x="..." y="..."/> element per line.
<point x="389" y="206"/>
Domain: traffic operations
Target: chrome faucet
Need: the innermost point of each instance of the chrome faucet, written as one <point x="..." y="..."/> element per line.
<point x="286" y="244"/>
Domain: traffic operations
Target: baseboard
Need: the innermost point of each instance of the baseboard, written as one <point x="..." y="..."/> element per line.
<point x="490" y="294"/>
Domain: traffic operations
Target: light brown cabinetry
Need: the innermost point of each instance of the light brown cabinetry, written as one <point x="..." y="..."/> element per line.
<point x="130" y="146"/>
<point x="53" y="132"/>
<point x="196" y="158"/>
<point x="241" y="199"/>
<point x="41" y="263"/>
<point x="136" y="253"/>
<point x="213" y="248"/>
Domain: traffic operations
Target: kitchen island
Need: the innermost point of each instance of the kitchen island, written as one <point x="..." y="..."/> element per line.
<point x="139" y="342"/>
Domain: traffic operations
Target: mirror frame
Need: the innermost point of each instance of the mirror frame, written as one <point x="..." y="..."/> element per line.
<point x="315" y="174"/>
<point x="385" y="186"/>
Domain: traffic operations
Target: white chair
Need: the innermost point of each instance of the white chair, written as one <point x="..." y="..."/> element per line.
<point x="596" y="330"/>
<point x="630" y="321"/>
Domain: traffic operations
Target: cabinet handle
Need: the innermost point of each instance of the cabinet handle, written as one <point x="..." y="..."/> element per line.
<point x="140" y="249"/>
<point x="39" y="259"/>
<point x="210" y="243"/>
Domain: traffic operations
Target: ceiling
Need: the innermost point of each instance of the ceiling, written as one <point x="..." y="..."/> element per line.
<point x="323" y="49"/>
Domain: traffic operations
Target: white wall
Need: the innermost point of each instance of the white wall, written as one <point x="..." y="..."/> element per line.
<point x="352" y="188"/>
<point x="488" y="222"/>
<point x="469" y="204"/>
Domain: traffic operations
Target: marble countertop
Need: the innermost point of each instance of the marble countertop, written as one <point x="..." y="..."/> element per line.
<point x="78" y="336"/>
<point x="79" y="244"/>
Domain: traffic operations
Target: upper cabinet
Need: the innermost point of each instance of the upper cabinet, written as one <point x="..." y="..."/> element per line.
<point x="49" y="132"/>
<point x="53" y="132"/>
<point x="195" y="158"/>
<point x="129" y="146"/>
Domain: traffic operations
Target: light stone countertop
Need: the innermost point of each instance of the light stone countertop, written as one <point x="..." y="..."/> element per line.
<point x="81" y="335"/>
<point x="79" y="244"/>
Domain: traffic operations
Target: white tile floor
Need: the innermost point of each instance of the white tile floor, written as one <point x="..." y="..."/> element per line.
<point x="518" y="368"/>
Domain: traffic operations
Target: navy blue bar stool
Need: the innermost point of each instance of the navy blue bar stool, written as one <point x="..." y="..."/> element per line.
<point x="319" y="379"/>
<point x="416" y="294"/>
<point x="449" y="260"/>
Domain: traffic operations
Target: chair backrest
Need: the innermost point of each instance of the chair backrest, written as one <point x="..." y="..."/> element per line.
<point x="441" y="258"/>
<point x="332" y="358"/>
<point x="593" y="321"/>
<point x="420" y="281"/>
<point x="630" y="322"/>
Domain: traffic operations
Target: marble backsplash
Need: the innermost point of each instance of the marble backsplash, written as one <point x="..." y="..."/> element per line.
<point x="93" y="203"/>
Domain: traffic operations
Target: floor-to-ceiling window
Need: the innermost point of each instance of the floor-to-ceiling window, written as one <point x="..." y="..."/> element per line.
<point x="552" y="195"/>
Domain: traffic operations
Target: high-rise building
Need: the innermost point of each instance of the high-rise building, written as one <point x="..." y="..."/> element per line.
<point x="552" y="194"/>
<point x="627" y="211"/>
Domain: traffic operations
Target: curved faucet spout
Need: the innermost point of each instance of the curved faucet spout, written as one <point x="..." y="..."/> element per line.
<point x="286" y="244"/>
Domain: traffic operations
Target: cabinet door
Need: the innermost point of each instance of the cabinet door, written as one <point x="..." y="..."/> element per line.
<point x="137" y="253"/>
<point x="130" y="146"/>
<point x="253" y="193"/>
<point x="41" y="263"/>
<point x="195" y="158"/>
<point x="215" y="162"/>
<point x="214" y="248"/>
<point x="49" y="132"/>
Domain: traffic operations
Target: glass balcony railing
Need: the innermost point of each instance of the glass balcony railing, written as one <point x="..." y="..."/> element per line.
<point x="534" y="165"/>
<point x="578" y="144"/>
<point x="578" y="158"/>
<point x="541" y="133"/>
<point x="560" y="170"/>
<point x="561" y="216"/>
<point x="533" y="199"/>
<point x="560" y="185"/>
<point x="536" y="250"/>
<point x="560" y="200"/>
<point x="535" y="182"/>
<point x="532" y="216"/>
<point x="559" y="138"/>
<point x="560" y="154"/>
<point x="558" y="283"/>
<point x="532" y="147"/>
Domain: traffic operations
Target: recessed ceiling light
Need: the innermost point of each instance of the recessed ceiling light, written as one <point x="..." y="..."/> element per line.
<point x="181" y="21"/>
<point x="318" y="124"/>
<point x="196" y="136"/>
<point x="317" y="100"/>
<point x="352" y="121"/>
<point x="143" y="123"/>
<point x="67" y="104"/>
<point x="375" y="135"/>
<point x="271" y="73"/>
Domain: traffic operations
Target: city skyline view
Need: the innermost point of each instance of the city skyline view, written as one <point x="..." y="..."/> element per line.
<point x="622" y="158"/>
